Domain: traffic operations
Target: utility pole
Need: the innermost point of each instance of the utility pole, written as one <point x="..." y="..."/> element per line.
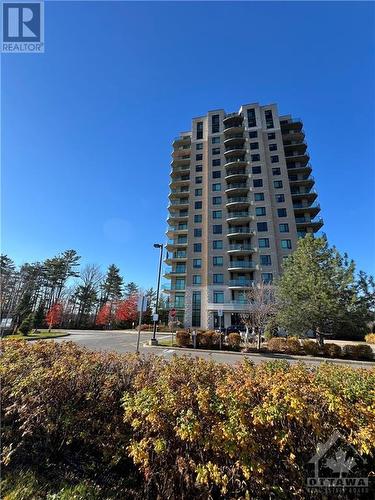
<point x="153" y="340"/>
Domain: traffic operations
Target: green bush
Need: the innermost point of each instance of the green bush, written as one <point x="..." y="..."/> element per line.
<point x="124" y="426"/>
<point x="332" y="350"/>
<point x="234" y="341"/>
<point x="182" y="338"/>
<point x="311" y="347"/>
<point x="358" y="351"/>
<point x="27" y="324"/>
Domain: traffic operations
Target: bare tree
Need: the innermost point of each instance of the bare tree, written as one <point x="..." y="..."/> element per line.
<point x="260" y="308"/>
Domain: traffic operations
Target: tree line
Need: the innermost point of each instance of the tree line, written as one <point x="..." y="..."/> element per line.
<point x="59" y="292"/>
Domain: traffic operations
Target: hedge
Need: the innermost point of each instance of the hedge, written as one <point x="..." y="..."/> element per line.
<point x="122" y="426"/>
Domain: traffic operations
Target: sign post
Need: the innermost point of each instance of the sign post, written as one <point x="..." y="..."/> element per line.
<point x="220" y="314"/>
<point x="141" y="308"/>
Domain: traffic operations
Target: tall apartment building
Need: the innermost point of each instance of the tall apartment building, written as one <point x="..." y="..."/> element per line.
<point x="241" y="194"/>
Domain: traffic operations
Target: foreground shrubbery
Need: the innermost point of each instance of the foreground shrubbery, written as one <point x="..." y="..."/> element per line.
<point x="101" y="425"/>
<point x="370" y="338"/>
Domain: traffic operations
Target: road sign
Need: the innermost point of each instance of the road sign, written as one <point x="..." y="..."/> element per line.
<point x="172" y="312"/>
<point x="155" y="317"/>
<point x="142" y="303"/>
<point x="220" y="313"/>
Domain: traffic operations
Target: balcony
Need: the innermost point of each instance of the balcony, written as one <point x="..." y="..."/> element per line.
<point x="233" y="161"/>
<point x="235" y="187"/>
<point x="300" y="208"/>
<point x="240" y="265"/>
<point x="238" y="231"/>
<point x="183" y="139"/>
<point x="180" y="181"/>
<point x="304" y="193"/>
<point x="172" y="230"/>
<point x="237" y="201"/>
<point x="234" y="151"/>
<point x="236" y="174"/>
<point x="302" y="158"/>
<point x="183" y="202"/>
<point x="175" y="244"/>
<point x="299" y="168"/>
<point x="170" y="273"/>
<point x="179" y="256"/>
<point x="178" y="170"/>
<point x="176" y="217"/>
<point x="232" y="120"/>
<point x="303" y="223"/>
<point x="242" y="216"/>
<point x="240" y="283"/>
<point x="240" y="249"/>
<point x="291" y="146"/>
<point x="181" y="160"/>
<point x="229" y="306"/>
<point x="303" y="181"/>
<point x="293" y="135"/>
<point x="234" y="141"/>
<point x="173" y="288"/>
<point x="291" y="124"/>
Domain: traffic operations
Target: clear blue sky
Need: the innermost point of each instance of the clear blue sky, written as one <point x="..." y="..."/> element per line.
<point x="87" y="127"/>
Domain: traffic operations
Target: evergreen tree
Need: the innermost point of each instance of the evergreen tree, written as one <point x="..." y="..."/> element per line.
<point x="27" y="324"/>
<point x="131" y="289"/>
<point x="112" y="285"/>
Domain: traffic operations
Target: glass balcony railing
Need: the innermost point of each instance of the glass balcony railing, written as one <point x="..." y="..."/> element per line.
<point x="237" y="185"/>
<point x="240" y="246"/>
<point x="232" y="215"/>
<point x="239" y="229"/>
<point x="242" y="264"/>
<point x="240" y="282"/>
<point x="238" y="199"/>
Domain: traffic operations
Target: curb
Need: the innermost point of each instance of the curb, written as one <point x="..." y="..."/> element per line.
<point x="266" y="355"/>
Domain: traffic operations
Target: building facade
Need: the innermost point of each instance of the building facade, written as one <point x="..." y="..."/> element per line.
<point x="241" y="193"/>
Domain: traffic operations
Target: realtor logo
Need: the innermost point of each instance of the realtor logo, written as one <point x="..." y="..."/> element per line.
<point x="23" y="27"/>
<point x="338" y="468"/>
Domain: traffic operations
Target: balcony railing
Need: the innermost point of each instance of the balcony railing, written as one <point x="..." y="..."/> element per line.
<point x="238" y="199"/>
<point x="239" y="229"/>
<point x="243" y="264"/>
<point x="241" y="282"/>
<point x="240" y="246"/>
<point x="237" y="185"/>
<point x="235" y="159"/>
<point x="232" y="215"/>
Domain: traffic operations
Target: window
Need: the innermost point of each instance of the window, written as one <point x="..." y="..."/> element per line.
<point x="281" y="212"/>
<point x="280" y="198"/>
<point x="265" y="260"/>
<point x="274" y="159"/>
<point x="197" y="247"/>
<point x="182" y="238"/>
<point x="197" y="232"/>
<point x="276" y="171"/>
<point x="218" y="278"/>
<point x="251" y="118"/>
<point x="198" y="205"/>
<point x="199" y="130"/>
<point x="215" y="123"/>
<point x="254" y="145"/>
<point x="260" y="211"/>
<point x="215" y="140"/>
<point x="271" y="135"/>
<point x="198" y="168"/>
<point x="218" y="260"/>
<point x="257" y="183"/>
<point x="272" y="147"/>
<point x="284" y="228"/>
<point x="259" y="196"/>
<point x="253" y="135"/>
<point x="198" y="180"/>
<point x="286" y="244"/>
<point x="256" y="170"/>
<point x="197" y="279"/>
<point x="199" y="157"/>
<point x="198" y="192"/>
<point x="197" y="263"/>
<point x="269" y="119"/>
<point x="264" y="243"/>
<point x="216" y="163"/>
<point x="255" y="157"/>
<point x="216" y="174"/>
<point x="216" y="200"/>
<point x="277" y="184"/>
<point x="198" y="218"/>
<point x="196" y="309"/>
<point x="217" y="229"/>
<point x="183" y="213"/>
<point x="216" y="187"/>
<point x="215" y="151"/>
<point x="217" y="214"/>
<point x="182" y="225"/>
<point x="199" y="145"/>
<point x="218" y="297"/>
<point x="267" y="277"/>
<point x="262" y="226"/>
<point x="179" y="301"/>
<point x="180" y="268"/>
<point x="217" y="244"/>
<point x="180" y="284"/>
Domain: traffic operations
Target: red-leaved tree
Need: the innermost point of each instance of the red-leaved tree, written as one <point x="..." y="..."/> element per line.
<point x="127" y="309"/>
<point x="103" y="317"/>
<point x="54" y="315"/>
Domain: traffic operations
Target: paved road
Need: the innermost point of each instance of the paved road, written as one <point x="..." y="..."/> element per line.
<point x="126" y="341"/>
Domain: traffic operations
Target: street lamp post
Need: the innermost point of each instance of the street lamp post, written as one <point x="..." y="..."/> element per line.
<point x="161" y="247"/>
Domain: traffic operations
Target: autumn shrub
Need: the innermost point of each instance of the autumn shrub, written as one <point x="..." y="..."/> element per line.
<point x="370" y="338"/>
<point x="234" y="341"/>
<point x="205" y="430"/>
<point x="208" y="339"/>
<point x="276" y="344"/>
<point x="292" y="346"/>
<point x="332" y="350"/>
<point x="61" y="404"/>
<point x="182" y="338"/>
<point x="311" y="347"/>
<point x="358" y="351"/>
